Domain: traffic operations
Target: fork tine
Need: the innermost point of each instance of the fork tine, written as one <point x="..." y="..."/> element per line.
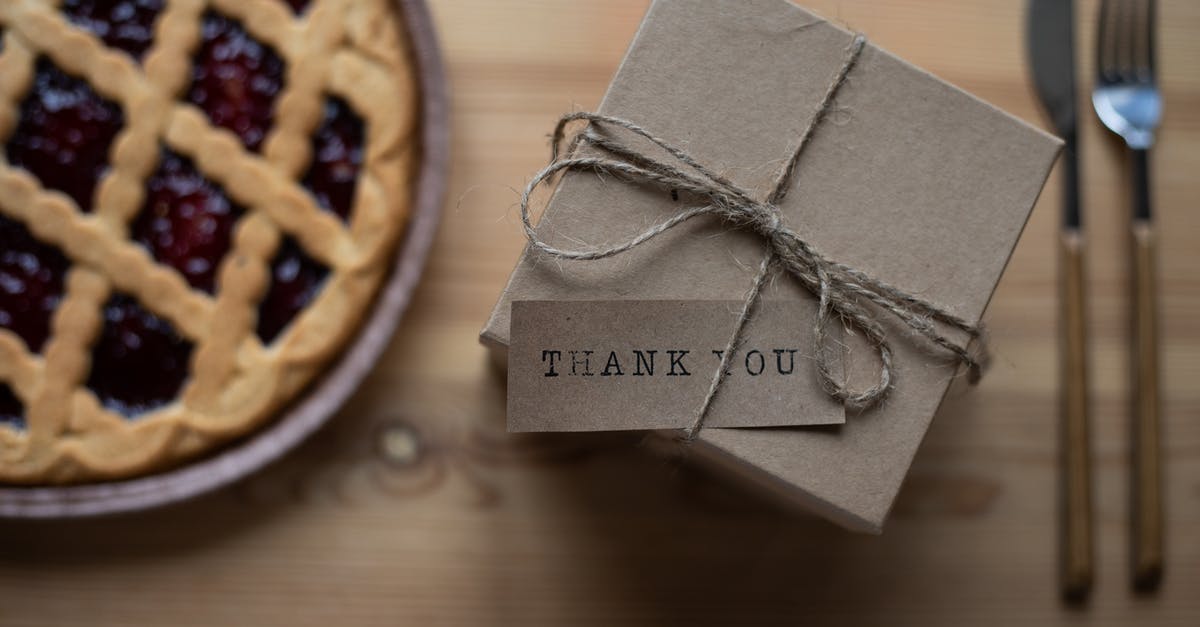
<point x="1125" y="41"/>
<point x="1134" y="35"/>
<point x="1101" y="38"/>
<point x="1149" y="30"/>
<point x="1127" y="33"/>
<point x="1141" y="23"/>
<point x="1104" y="42"/>
<point x="1137" y="39"/>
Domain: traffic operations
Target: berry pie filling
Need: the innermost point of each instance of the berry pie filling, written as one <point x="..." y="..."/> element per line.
<point x="235" y="79"/>
<point x="299" y="5"/>
<point x="31" y="283"/>
<point x="12" y="412"/>
<point x="296" y="279"/>
<point x="139" y="362"/>
<point x="186" y="221"/>
<point x="337" y="158"/>
<point x="122" y="24"/>
<point x="64" y="133"/>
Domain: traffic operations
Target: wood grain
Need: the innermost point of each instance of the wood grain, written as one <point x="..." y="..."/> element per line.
<point x="414" y="507"/>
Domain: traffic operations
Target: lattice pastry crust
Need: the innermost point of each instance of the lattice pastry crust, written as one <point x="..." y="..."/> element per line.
<point x="350" y="49"/>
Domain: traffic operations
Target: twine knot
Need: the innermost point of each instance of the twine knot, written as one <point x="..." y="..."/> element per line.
<point x="840" y="289"/>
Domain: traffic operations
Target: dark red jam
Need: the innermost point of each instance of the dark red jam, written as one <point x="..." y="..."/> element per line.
<point x="31" y="283"/>
<point x="235" y="79"/>
<point x="139" y="362"/>
<point x="337" y="158"/>
<point x="123" y="24"/>
<point x="295" y="280"/>
<point x="186" y="221"/>
<point x="64" y="133"/>
<point x="12" y="412"/>
<point x="299" y="5"/>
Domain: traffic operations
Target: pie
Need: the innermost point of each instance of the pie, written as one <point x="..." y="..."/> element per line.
<point x="199" y="200"/>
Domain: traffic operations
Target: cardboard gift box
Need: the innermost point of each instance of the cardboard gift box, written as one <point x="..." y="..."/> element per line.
<point x="906" y="178"/>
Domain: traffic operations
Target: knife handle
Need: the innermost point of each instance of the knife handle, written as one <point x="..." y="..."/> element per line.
<point x="1075" y="519"/>
<point x="1146" y="507"/>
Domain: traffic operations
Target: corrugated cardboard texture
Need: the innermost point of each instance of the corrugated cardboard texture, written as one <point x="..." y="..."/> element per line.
<point x="909" y="179"/>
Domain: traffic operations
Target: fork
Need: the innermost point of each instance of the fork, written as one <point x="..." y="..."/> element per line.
<point x="1127" y="100"/>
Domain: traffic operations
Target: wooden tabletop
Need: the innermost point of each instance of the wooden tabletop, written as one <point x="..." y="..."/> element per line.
<point x="414" y="506"/>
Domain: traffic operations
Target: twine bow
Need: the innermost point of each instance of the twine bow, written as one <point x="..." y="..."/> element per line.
<point x="838" y="288"/>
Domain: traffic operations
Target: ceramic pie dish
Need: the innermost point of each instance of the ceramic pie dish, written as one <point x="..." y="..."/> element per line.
<point x="212" y="215"/>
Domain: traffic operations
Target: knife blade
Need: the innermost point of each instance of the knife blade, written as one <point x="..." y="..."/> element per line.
<point x="1051" y="45"/>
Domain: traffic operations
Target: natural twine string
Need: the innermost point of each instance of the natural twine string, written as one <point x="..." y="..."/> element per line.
<point x="838" y="288"/>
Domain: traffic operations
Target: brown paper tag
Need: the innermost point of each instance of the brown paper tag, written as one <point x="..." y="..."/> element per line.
<point x="647" y="364"/>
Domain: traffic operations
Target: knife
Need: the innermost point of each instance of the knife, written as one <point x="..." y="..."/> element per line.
<point x="1051" y="44"/>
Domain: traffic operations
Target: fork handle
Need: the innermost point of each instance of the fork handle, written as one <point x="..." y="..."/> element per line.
<point x="1075" y="481"/>
<point x="1146" y="507"/>
<point x="1140" y="160"/>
